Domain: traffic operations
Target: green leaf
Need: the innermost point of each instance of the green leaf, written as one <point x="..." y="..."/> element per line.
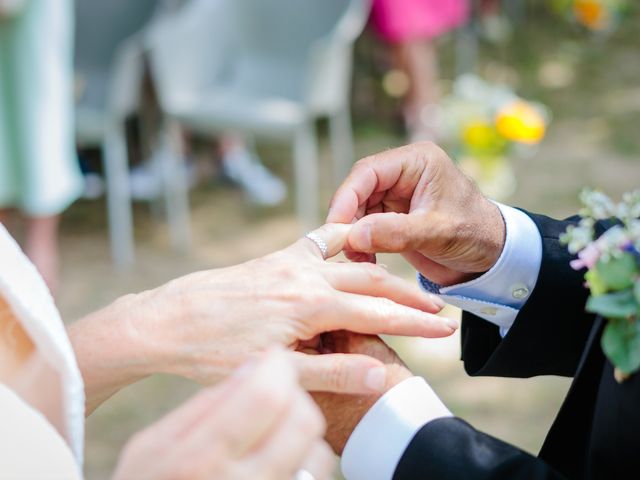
<point x="636" y="291"/>
<point x="621" y="344"/>
<point x="596" y="285"/>
<point x="617" y="273"/>
<point x="613" y="305"/>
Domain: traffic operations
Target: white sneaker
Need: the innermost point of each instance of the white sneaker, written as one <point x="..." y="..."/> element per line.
<point x="145" y="181"/>
<point x="93" y="186"/>
<point x="261" y="186"/>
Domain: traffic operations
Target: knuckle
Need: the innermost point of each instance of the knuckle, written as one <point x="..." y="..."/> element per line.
<point x="398" y="232"/>
<point x="285" y="273"/>
<point x="393" y="236"/>
<point x="336" y="376"/>
<point x="363" y="162"/>
<point x="375" y="273"/>
<point x="424" y="145"/>
<point x="321" y="296"/>
<point x="384" y="311"/>
<point x="317" y="298"/>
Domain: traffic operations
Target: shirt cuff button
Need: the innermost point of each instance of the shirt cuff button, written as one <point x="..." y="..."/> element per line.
<point x="519" y="291"/>
<point x="488" y="311"/>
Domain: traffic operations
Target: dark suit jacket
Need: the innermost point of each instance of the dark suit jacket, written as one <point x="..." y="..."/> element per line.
<point x="596" y="434"/>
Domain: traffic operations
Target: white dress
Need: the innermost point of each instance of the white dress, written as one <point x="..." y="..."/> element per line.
<point x="31" y="447"/>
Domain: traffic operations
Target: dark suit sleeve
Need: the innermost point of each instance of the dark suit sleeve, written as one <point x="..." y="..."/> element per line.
<point x="451" y="449"/>
<point x="550" y="332"/>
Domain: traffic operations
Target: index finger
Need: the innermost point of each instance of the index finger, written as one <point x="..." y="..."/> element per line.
<point x="370" y="175"/>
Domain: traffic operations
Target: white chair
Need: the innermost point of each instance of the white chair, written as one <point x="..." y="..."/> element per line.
<point x="266" y="68"/>
<point x="109" y="69"/>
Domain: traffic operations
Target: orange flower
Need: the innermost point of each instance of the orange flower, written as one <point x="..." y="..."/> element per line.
<point x="591" y="13"/>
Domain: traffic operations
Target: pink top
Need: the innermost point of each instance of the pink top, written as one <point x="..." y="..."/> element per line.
<point x="405" y="20"/>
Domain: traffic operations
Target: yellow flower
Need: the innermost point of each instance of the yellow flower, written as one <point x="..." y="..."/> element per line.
<point x="481" y="139"/>
<point x="521" y="122"/>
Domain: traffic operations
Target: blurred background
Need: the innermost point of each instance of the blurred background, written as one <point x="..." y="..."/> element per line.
<point x="201" y="133"/>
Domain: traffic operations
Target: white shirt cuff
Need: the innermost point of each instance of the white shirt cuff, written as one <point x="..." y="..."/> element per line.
<point x="378" y="442"/>
<point x="498" y="295"/>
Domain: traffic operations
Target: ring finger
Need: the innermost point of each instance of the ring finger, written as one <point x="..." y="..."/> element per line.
<point x="374" y="280"/>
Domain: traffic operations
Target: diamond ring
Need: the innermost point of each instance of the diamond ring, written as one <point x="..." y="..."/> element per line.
<point x="322" y="245"/>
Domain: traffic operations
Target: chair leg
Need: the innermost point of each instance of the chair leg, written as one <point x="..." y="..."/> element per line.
<point x="116" y="166"/>
<point x="341" y="144"/>
<point x="175" y="185"/>
<point x="305" y="157"/>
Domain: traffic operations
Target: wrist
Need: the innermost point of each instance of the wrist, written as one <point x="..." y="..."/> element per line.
<point x="110" y="349"/>
<point x="489" y="240"/>
<point x="344" y="413"/>
<point x="179" y="334"/>
<point x="496" y="235"/>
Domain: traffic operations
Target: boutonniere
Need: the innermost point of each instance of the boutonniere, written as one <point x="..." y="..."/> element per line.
<point x="613" y="273"/>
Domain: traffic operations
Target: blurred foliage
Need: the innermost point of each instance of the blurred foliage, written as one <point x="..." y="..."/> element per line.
<point x="547" y="58"/>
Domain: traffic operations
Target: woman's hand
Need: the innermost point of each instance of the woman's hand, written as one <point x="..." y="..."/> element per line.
<point x="207" y="323"/>
<point x="204" y="325"/>
<point x="258" y="424"/>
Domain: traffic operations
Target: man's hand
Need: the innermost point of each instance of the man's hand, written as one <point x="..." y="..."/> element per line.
<point x="343" y="412"/>
<point x="413" y="200"/>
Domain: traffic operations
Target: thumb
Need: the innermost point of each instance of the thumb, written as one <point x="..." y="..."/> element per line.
<point x="385" y="232"/>
<point x="341" y="373"/>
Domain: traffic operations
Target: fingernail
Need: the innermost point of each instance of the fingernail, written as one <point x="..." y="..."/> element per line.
<point x="376" y="379"/>
<point x="437" y="300"/>
<point x="451" y="323"/>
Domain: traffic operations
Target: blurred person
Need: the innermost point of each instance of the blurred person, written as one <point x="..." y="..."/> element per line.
<point x="524" y="315"/>
<point x="203" y="327"/>
<point x="39" y="173"/>
<point x="411" y="27"/>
